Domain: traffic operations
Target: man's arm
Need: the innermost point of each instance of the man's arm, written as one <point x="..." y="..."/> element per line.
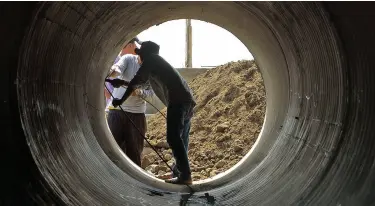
<point x="140" y="78"/>
<point x="114" y="72"/>
<point x="119" y="67"/>
<point x="107" y="94"/>
<point x="116" y="83"/>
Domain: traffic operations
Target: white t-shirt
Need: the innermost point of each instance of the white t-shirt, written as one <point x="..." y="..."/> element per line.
<point x="128" y="66"/>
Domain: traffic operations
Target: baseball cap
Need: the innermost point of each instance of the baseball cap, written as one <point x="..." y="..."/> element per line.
<point x="135" y="39"/>
<point x="138" y="41"/>
<point x="148" y="47"/>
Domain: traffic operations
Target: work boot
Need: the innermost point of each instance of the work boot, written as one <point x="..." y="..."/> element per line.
<point x="179" y="181"/>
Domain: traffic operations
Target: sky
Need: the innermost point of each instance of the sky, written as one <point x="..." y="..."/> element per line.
<point x="212" y="45"/>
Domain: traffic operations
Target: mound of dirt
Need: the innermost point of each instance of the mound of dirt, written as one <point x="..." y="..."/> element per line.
<point x="228" y="118"/>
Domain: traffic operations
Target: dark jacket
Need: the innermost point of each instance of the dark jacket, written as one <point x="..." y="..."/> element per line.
<point x="166" y="82"/>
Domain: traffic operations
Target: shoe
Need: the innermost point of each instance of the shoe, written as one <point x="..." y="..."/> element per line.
<point x="179" y="181"/>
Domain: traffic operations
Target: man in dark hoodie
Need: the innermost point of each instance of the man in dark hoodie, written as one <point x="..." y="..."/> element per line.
<point x="175" y="93"/>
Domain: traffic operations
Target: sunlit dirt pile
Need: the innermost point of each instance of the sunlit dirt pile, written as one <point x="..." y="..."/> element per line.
<point x="228" y="118"/>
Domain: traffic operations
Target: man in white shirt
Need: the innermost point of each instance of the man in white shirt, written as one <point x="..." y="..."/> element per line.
<point x="128" y="136"/>
<point x="175" y="93"/>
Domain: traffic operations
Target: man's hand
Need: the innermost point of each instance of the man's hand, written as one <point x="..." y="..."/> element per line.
<point x="116" y="102"/>
<point x="116" y="83"/>
<point x="137" y="92"/>
<point x="133" y="94"/>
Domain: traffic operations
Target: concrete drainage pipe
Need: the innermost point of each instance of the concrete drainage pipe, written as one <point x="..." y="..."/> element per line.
<point x="316" y="146"/>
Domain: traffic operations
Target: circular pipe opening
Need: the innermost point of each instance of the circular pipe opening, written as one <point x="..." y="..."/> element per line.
<point x="207" y="84"/>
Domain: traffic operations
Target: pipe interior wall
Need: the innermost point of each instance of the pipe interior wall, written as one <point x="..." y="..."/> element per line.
<point x="316" y="146"/>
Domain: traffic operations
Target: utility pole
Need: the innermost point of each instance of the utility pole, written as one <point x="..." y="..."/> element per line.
<point x="189" y="45"/>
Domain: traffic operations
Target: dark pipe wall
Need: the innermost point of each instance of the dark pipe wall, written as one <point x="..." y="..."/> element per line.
<point x="21" y="183"/>
<point x="347" y="176"/>
<point x="355" y="169"/>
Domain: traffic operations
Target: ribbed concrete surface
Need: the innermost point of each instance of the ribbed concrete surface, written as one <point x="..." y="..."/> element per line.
<point x="316" y="147"/>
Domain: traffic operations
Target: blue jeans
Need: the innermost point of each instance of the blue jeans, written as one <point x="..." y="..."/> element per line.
<point x="178" y="128"/>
